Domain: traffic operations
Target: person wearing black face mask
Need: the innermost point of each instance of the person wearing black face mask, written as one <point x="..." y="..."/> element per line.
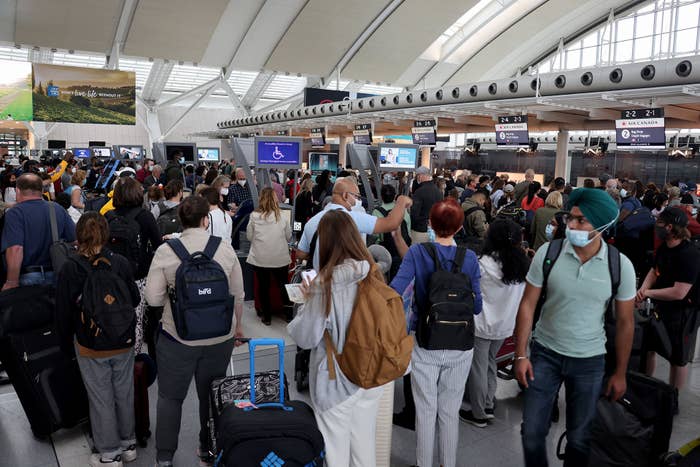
<point x="672" y="284"/>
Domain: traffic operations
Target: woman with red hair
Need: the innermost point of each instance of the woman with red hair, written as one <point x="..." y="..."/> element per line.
<point x="439" y="375"/>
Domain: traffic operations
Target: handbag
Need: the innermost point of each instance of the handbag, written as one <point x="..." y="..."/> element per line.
<point x="59" y="251"/>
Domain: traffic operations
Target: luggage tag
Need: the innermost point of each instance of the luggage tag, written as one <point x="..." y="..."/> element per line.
<point x="244" y="404"/>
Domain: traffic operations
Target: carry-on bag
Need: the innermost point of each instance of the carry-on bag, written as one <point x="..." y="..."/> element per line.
<point x="268" y="433"/>
<point x="634" y="431"/>
<point x="47" y="381"/>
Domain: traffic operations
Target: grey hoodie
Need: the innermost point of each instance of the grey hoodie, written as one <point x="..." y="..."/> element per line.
<point x="307" y="331"/>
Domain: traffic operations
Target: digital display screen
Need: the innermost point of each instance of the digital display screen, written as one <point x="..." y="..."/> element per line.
<point x="104" y="153"/>
<point x="398" y="157"/>
<point x="130" y="152"/>
<point x="208" y="154"/>
<point x="82" y="153"/>
<point x="637" y="131"/>
<point x="273" y="153"/>
<point x="187" y="150"/>
<point x="424" y="136"/>
<point x="512" y="131"/>
<point x="318" y="162"/>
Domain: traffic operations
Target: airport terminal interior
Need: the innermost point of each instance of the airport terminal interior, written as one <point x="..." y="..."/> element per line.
<point x="516" y="138"/>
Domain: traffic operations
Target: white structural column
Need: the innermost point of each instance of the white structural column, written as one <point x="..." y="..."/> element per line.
<point x="562" y="165"/>
<point x="342" y="151"/>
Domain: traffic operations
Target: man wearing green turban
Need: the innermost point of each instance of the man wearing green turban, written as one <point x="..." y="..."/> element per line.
<point x="569" y="341"/>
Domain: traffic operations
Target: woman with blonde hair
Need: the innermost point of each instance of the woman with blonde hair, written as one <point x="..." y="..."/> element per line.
<point x="75" y="191"/>
<point x="539" y="231"/>
<point x="269" y="233"/>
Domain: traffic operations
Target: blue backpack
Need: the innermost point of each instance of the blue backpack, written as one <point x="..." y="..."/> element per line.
<point x="201" y="304"/>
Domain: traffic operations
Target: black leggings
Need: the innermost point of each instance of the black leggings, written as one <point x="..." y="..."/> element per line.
<point x="266" y="278"/>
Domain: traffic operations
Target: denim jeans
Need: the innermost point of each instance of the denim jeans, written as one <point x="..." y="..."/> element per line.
<point x="583" y="379"/>
<point x="37" y="278"/>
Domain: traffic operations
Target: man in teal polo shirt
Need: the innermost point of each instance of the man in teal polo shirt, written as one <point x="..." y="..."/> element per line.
<point x="569" y="340"/>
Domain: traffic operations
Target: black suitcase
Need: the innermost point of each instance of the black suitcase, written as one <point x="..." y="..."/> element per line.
<point x="634" y="431"/>
<point x="47" y="381"/>
<point x="272" y="434"/>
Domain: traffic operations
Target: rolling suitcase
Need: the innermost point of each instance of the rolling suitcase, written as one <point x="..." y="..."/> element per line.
<point x="47" y="381"/>
<point x="273" y="433"/>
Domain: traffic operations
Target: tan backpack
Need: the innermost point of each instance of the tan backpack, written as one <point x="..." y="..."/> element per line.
<point x="377" y="347"/>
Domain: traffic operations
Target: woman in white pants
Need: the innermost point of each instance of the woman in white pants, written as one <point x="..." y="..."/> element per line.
<point x="438" y="377"/>
<point x="346" y="414"/>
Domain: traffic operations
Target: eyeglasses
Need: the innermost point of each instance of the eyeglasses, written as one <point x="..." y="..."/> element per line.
<point x="355" y="195"/>
<point x="580" y="220"/>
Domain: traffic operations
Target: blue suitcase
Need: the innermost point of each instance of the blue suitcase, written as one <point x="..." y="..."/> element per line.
<point x="274" y="433"/>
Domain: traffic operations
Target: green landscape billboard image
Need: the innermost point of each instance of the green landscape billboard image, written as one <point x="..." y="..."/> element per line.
<point x="15" y="90"/>
<point x="83" y="95"/>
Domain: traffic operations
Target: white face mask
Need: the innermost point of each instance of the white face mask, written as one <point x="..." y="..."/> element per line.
<point x="138" y="167"/>
<point x="358" y="204"/>
<point x="241" y="182"/>
<point x="73" y="170"/>
<point x="623" y="193"/>
<point x="150" y="168"/>
<point x="224" y="191"/>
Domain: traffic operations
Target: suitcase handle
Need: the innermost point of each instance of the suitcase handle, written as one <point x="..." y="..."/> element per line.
<point x="252" y="344"/>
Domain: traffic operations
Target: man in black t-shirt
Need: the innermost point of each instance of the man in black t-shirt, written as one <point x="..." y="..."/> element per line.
<point x="673" y="286"/>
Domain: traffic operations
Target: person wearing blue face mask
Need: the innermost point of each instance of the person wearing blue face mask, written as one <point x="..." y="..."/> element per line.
<point x="569" y="339"/>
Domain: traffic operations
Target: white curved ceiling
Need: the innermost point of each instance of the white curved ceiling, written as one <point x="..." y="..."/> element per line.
<point x="410" y="46"/>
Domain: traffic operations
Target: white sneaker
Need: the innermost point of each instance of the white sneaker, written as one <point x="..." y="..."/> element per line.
<point x="129" y="454"/>
<point x="97" y="461"/>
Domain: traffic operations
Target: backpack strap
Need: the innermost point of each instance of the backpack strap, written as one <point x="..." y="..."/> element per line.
<point x="614" y="268"/>
<point x="180" y="249"/>
<point x="459" y="259"/>
<point x="54" y="225"/>
<point x="553" y="251"/>
<point x="382" y="211"/>
<point x="471" y="210"/>
<point x="432" y="252"/>
<point x="212" y="245"/>
<point x="312" y="250"/>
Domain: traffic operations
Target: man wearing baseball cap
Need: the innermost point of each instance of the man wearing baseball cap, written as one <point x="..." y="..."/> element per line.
<point x="569" y="340"/>
<point x="672" y="284"/>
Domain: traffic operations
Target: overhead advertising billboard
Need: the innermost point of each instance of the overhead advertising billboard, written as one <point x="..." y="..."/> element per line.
<point x="512" y="131"/>
<point x="318" y="137"/>
<point x="83" y="95"/>
<point x="362" y="134"/>
<point x="641" y="129"/>
<point x="15" y="91"/>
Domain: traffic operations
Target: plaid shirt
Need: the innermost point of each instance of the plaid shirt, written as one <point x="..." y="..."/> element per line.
<point x="237" y="193"/>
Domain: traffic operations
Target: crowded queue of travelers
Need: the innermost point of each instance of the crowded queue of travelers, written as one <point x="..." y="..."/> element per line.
<point x="475" y="227"/>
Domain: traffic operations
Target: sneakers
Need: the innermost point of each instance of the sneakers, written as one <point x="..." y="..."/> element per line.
<point x="468" y="417"/>
<point x="97" y="461"/>
<point x="489" y="414"/>
<point x="129" y="453"/>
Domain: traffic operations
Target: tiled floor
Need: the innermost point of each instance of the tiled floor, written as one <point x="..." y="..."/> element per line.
<point x="498" y="445"/>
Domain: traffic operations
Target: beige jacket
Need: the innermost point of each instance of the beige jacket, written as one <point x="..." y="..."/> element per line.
<point x="269" y="240"/>
<point x="162" y="274"/>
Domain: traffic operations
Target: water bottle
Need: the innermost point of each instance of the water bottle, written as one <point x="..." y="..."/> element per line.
<point x="648" y="307"/>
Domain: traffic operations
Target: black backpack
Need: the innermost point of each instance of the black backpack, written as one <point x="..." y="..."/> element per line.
<point x="446" y="321"/>
<point x="107" y="313"/>
<point x="201" y="304"/>
<point x="168" y="221"/>
<point x="388" y="241"/>
<point x="125" y="237"/>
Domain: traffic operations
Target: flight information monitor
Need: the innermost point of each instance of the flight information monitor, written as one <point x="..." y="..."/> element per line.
<point x="101" y="152"/>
